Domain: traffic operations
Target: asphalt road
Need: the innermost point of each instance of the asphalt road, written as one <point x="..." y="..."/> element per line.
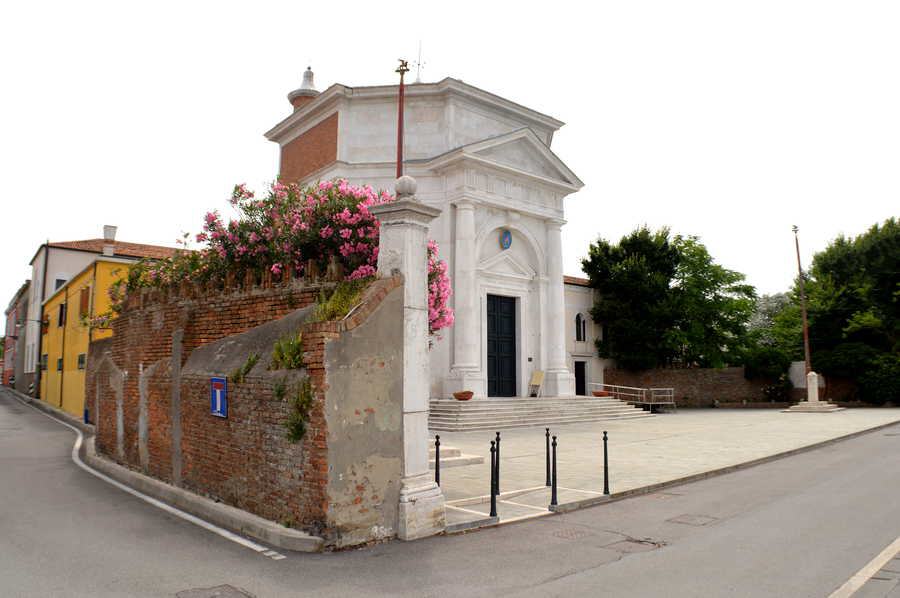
<point x="796" y="527"/>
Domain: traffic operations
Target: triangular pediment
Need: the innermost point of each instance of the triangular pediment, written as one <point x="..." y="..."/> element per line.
<point x="521" y="155"/>
<point x="504" y="264"/>
<point x="521" y="152"/>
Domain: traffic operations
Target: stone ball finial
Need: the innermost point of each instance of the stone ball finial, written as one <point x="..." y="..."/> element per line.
<point x="406" y="186"/>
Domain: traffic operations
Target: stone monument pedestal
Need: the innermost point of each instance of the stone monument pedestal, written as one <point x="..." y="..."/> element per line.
<point x="812" y="404"/>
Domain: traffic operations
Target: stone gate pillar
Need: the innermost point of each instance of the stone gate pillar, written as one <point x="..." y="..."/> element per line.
<point x="402" y="248"/>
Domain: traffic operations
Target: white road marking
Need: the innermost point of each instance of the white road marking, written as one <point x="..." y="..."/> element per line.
<point x="518" y="504"/>
<point x="467" y="510"/>
<point x="149" y="499"/>
<point x="853" y="584"/>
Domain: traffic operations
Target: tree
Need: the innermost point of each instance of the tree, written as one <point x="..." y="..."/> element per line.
<point x="633" y="279"/>
<point x="854" y="310"/>
<point x="666" y="302"/>
<point x="712" y="305"/>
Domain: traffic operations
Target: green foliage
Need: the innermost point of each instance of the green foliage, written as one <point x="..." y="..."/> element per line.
<point x="240" y="373"/>
<point x="780" y="390"/>
<point x="666" y="302"/>
<point x="279" y="388"/>
<point x="880" y="382"/>
<point x="287" y="353"/>
<point x="712" y="307"/>
<point x="765" y="361"/>
<point x="301" y="403"/>
<point x="337" y="303"/>
<point x="853" y="296"/>
<point x="633" y="279"/>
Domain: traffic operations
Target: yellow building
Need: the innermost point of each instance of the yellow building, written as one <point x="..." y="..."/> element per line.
<point x="67" y="331"/>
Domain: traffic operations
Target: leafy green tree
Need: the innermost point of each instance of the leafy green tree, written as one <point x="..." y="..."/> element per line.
<point x="712" y="305"/>
<point x="854" y="309"/>
<point x="633" y="278"/>
<point x="666" y="302"/>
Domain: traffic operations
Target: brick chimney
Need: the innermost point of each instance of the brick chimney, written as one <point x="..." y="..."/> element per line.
<point x="109" y="239"/>
<point x="306" y="93"/>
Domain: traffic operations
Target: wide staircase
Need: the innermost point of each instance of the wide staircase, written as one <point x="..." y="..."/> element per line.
<point x="450" y="415"/>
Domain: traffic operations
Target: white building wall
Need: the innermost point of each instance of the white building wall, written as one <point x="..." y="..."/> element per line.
<point x="508" y="177"/>
<point x="63" y="264"/>
<point x="580" y="300"/>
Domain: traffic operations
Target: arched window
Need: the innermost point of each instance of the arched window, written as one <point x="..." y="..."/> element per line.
<point x="580" y="328"/>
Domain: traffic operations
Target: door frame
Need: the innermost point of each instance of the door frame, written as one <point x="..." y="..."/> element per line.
<point x="515" y="338"/>
<point x="521" y="298"/>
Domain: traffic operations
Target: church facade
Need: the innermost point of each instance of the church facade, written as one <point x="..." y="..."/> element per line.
<point x="486" y="163"/>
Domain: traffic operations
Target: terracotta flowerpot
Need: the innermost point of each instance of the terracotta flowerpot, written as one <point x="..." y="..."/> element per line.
<point x="601" y="393"/>
<point x="463" y="395"/>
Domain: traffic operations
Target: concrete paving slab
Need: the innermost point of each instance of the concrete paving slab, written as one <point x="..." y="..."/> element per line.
<point x="647" y="452"/>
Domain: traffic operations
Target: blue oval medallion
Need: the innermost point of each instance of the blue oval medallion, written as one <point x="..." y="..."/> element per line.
<point x="505" y="239"/>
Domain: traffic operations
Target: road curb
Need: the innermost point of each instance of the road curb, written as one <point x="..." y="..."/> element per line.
<point x="220" y="514"/>
<point x="598" y="500"/>
<point x="56" y="412"/>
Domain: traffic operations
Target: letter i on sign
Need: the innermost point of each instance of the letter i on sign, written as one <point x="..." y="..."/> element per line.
<point x="218" y="397"/>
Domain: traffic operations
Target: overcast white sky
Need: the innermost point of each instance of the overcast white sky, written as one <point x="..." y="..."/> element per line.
<point x="727" y="120"/>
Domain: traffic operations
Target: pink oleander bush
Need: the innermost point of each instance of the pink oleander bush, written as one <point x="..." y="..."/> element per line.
<point x="281" y="233"/>
<point x="440" y="314"/>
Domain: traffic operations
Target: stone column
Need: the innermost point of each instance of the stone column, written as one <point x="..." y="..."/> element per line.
<point x="402" y="249"/>
<point x="812" y="387"/>
<point x="465" y="370"/>
<point x="558" y="381"/>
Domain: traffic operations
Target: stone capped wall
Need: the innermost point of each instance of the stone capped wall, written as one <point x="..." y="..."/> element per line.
<point x="150" y="385"/>
<point x="694" y="387"/>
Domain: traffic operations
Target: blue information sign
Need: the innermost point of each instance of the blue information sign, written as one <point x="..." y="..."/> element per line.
<point x="218" y="397"/>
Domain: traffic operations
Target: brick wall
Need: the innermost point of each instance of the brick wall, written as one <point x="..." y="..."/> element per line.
<point x="310" y="151"/>
<point x="696" y="387"/>
<point x="150" y="383"/>
<point x="702" y="387"/>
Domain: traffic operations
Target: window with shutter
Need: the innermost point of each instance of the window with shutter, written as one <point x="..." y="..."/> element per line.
<point x="84" y="303"/>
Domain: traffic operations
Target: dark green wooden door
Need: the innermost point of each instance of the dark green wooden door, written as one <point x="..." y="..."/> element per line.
<point x="501" y="346"/>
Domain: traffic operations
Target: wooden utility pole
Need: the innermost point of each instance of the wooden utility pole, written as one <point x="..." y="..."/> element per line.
<point x="402" y="69"/>
<point x="803" y="304"/>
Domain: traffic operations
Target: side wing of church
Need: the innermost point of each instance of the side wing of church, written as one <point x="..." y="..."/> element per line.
<point x="486" y="163"/>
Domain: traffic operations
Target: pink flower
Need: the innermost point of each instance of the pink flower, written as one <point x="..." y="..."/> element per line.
<point x="276" y="268"/>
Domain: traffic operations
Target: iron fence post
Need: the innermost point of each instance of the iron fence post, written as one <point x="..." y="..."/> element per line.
<point x="605" y="466"/>
<point x="553" y="486"/>
<point x="437" y="459"/>
<point x="493" y="480"/>
<point x="498" y="463"/>
<point x="547" y="440"/>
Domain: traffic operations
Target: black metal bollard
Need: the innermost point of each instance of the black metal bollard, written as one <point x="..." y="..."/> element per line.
<point x="553" y="502"/>
<point x="547" y="440"/>
<point x="605" y="466"/>
<point x="493" y="480"/>
<point x="437" y="459"/>
<point x="498" y="464"/>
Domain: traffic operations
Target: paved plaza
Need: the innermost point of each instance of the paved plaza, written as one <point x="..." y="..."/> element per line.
<point x="642" y="452"/>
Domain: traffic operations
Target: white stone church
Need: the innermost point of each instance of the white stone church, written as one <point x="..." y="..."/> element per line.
<point x="486" y="163"/>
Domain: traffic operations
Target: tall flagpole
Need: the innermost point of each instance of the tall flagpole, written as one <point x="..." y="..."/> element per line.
<point x="803" y="304"/>
<point x="402" y="69"/>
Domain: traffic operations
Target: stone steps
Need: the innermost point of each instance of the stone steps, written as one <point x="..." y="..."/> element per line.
<point x="504" y="413"/>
